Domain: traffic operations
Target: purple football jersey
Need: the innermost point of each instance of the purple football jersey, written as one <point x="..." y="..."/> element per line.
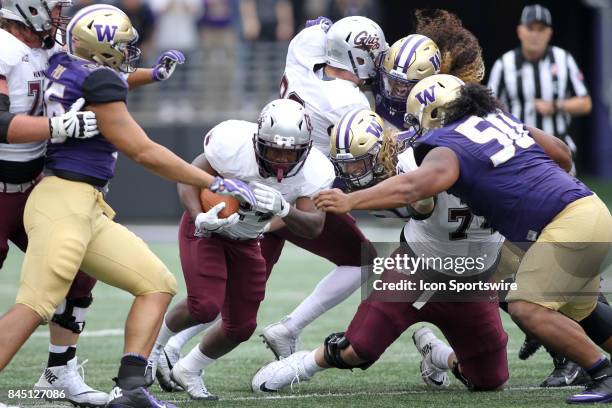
<point x="504" y="175"/>
<point x="70" y="79"/>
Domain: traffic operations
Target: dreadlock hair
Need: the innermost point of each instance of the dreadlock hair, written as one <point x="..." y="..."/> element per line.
<point x="460" y="50"/>
<point x="473" y="100"/>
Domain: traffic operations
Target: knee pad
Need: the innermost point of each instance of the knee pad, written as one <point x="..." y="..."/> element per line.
<point x="70" y="314"/>
<point x="598" y="325"/>
<point x="333" y="345"/>
<point x="240" y="333"/>
<point x="203" y="311"/>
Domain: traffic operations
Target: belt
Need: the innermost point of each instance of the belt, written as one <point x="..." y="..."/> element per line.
<point x="100" y="184"/>
<point x="16" y="188"/>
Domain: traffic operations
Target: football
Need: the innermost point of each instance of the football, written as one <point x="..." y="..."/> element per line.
<point x="208" y="199"/>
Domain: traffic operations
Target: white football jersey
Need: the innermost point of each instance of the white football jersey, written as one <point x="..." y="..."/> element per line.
<point x="325" y="99"/>
<point x="452" y="230"/>
<point x="229" y="150"/>
<point x="23" y="68"/>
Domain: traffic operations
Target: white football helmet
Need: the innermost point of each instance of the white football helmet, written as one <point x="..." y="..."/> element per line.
<point x="354" y="44"/>
<point x="283" y="139"/>
<point x="37" y="16"/>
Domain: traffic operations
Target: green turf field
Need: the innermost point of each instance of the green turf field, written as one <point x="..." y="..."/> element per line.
<point x="394" y="380"/>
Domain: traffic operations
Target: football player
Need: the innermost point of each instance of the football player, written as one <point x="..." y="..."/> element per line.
<point x="544" y="213"/>
<point x="31" y="31"/>
<point x="67" y="220"/>
<point x="440" y="227"/>
<point x="326" y="66"/>
<point x="222" y="259"/>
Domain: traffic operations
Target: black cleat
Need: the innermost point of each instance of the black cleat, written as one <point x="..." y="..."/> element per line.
<point x="138" y="397"/>
<point x="565" y="373"/>
<point x="529" y="347"/>
<point x="599" y="391"/>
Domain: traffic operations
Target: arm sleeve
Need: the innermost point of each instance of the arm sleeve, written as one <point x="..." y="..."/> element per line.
<point x="104" y="86"/>
<point x="576" y="79"/>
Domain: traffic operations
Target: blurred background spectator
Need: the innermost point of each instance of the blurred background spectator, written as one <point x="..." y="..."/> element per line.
<point x="143" y="19"/>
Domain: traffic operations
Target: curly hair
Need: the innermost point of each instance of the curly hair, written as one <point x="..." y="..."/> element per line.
<point x="473" y="100"/>
<point x="461" y="52"/>
<point x="388" y="152"/>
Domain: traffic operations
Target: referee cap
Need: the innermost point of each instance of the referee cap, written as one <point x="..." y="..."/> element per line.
<point x="536" y="13"/>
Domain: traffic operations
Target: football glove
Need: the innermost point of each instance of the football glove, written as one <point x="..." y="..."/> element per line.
<point x="235" y="188"/>
<point x="208" y="222"/>
<point x="80" y="125"/>
<point x="166" y="64"/>
<point x="324" y="22"/>
<point x="270" y="200"/>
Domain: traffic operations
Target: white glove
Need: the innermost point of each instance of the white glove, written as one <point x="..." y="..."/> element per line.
<point x="209" y="221"/>
<point x="270" y="200"/>
<point x="80" y="125"/>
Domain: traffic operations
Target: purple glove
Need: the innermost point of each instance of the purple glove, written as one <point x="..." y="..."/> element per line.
<point x="324" y="22"/>
<point x="166" y="63"/>
<point x="235" y="188"/>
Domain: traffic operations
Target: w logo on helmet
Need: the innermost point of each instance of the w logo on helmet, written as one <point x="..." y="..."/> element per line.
<point x="105" y="32"/>
<point x="435" y="61"/>
<point x="426" y="96"/>
<point x="374" y="128"/>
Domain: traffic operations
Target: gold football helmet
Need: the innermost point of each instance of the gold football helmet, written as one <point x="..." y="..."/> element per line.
<point x="427" y="100"/>
<point x="105" y="35"/>
<point x="355" y="143"/>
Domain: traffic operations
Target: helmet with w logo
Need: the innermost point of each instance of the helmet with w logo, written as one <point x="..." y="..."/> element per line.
<point x="409" y="60"/>
<point x="426" y="103"/>
<point x="105" y="35"/>
<point x="355" y="143"/>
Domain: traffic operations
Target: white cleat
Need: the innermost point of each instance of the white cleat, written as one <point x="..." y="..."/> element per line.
<point x="278" y="374"/>
<point x="192" y="382"/>
<point x="168" y="358"/>
<point x="425" y="340"/>
<point x="278" y="339"/>
<point x="70" y="386"/>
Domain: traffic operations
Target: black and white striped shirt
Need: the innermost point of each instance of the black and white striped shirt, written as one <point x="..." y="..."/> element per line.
<point x="517" y="82"/>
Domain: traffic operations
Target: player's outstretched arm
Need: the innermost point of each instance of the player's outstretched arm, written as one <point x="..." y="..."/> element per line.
<point x="118" y="126"/>
<point x="554" y="147"/>
<point x="438" y="172"/>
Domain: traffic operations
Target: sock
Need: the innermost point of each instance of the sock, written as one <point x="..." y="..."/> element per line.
<point x="162" y="338"/>
<point x="338" y="285"/>
<point x="179" y="339"/>
<point x="601" y="364"/>
<point x="440" y="353"/>
<point x="132" y="365"/>
<point x="310" y="365"/>
<point x="196" y="360"/>
<point x="60" y="355"/>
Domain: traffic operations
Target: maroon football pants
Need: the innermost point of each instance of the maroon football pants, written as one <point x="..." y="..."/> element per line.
<point x="222" y="276"/>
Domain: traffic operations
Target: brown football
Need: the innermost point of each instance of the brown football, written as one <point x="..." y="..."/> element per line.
<point x="208" y="199"/>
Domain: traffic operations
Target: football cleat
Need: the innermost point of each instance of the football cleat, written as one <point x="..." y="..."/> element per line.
<point x="192" y="382"/>
<point x="425" y="341"/>
<point x="529" y="347"/>
<point x="600" y="391"/>
<point x="72" y="385"/>
<point x="278" y="374"/>
<point x="278" y="339"/>
<point x="168" y="358"/>
<point x="138" y="397"/>
<point x="565" y="373"/>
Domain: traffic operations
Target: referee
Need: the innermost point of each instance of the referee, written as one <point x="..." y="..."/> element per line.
<point x="540" y="84"/>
